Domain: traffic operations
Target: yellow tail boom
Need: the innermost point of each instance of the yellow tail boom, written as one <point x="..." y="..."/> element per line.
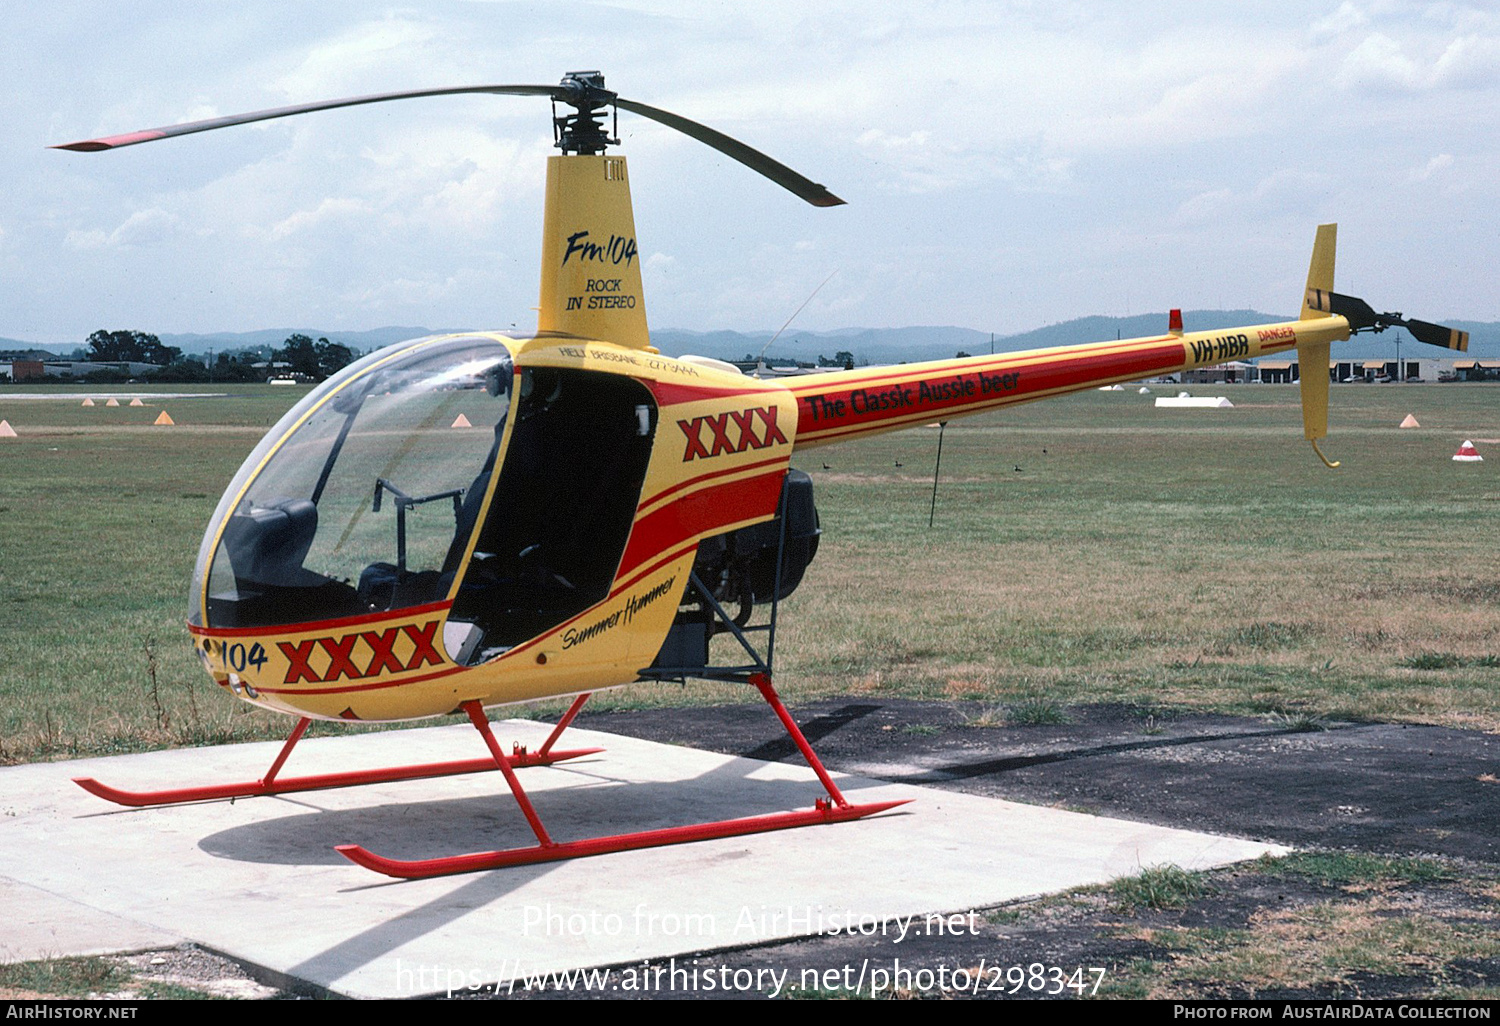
<point x="852" y="404"/>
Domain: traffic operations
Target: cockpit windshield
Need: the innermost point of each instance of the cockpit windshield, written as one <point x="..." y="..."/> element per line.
<point x="363" y="497"/>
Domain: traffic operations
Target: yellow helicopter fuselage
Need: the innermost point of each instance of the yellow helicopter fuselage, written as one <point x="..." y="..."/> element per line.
<point x="721" y="446"/>
<point x="578" y="518"/>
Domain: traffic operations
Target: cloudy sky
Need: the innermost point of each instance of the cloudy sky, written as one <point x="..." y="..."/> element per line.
<point x="1007" y="165"/>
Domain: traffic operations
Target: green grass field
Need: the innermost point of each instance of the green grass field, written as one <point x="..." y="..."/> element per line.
<point x="1199" y="558"/>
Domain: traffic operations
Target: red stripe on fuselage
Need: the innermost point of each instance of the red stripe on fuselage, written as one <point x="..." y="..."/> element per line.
<point x="701" y="513"/>
<point x="818" y="416"/>
<point x="317" y="625"/>
<point x="673" y="393"/>
<point x="690" y="482"/>
<point x="374" y="686"/>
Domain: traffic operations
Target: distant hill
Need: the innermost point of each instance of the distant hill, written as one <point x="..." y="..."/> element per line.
<point x="869" y="345"/>
<point x="1099" y="329"/>
<point x="894" y="345"/>
<point x="1484" y="340"/>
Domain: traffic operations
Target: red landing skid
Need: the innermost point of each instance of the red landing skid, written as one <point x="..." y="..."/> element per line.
<point x="269" y="784"/>
<point x="833" y="809"/>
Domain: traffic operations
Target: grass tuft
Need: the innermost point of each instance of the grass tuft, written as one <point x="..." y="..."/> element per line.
<point x="1433" y="661"/>
<point x="1297" y="722"/>
<point x="921" y="729"/>
<point x="63" y="977"/>
<point x="1449" y="661"/>
<point x="989" y="716"/>
<point x="1036" y="712"/>
<point x="1353" y="868"/>
<point x="1267" y="636"/>
<point x="1158" y="887"/>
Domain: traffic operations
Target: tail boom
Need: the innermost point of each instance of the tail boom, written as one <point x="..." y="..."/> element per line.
<point x="855" y="403"/>
<point x="842" y="405"/>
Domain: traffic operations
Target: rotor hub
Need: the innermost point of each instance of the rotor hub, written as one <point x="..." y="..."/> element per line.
<point x="582" y="132"/>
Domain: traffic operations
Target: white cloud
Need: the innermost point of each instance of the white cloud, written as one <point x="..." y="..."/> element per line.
<point x="1469" y="62"/>
<point x="1421" y="60"/>
<point x="658" y="275"/>
<point x="393" y="46"/>
<point x="454" y="177"/>
<point x="1206" y="205"/>
<point x="1462" y="17"/>
<point x="1287" y="189"/>
<point x="142" y="228"/>
<point x="1348" y="16"/>
<point x="200" y="111"/>
<point x="331" y="209"/>
<point x="80" y="239"/>
<point x="1379" y="62"/>
<point x="914" y="164"/>
<point x="401" y="292"/>
<point x="1433" y="166"/>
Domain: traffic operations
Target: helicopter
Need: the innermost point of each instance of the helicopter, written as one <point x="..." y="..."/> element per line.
<point x="606" y="512"/>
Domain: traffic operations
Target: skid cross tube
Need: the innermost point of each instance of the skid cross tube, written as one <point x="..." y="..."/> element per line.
<point x="833" y="809"/>
<point x="270" y="784"/>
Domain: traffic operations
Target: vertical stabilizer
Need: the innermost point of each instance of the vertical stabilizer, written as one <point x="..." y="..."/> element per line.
<point x="1312" y="357"/>
<point x="1320" y="271"/>
<point x="591" y="272"/>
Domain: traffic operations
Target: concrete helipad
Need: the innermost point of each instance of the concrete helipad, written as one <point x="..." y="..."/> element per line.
<point x="258" y="879"/>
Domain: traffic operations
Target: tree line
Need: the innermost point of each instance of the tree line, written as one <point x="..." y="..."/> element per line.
<point x="299" y="356"/>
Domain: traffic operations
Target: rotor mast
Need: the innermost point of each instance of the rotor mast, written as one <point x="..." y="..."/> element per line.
<point x="591" y="271"/>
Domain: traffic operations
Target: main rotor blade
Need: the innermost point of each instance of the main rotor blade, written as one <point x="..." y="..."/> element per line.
<point x="803" y="188"/>
<point x="569" y="91"/>
<point x="112" y="142"/>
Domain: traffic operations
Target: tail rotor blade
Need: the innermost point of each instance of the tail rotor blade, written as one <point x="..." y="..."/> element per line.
<point x="1356" y="311"/>
<point x="1437" y="335"/>
<point x="1362" y="317"/>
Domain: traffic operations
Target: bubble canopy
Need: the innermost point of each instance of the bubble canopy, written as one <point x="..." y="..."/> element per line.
<point x="363" y="496"/>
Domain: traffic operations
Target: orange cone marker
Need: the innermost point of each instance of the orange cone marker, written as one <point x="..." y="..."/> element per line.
<point x="112" y="401"/>
<point x="163" y="419"/>
<point x="6" y="431"/>
<point x="88" y="402"/>
<point x="461" y="421"/>
<point x="137" y="401"/>
<point x="1410" y="421"/>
